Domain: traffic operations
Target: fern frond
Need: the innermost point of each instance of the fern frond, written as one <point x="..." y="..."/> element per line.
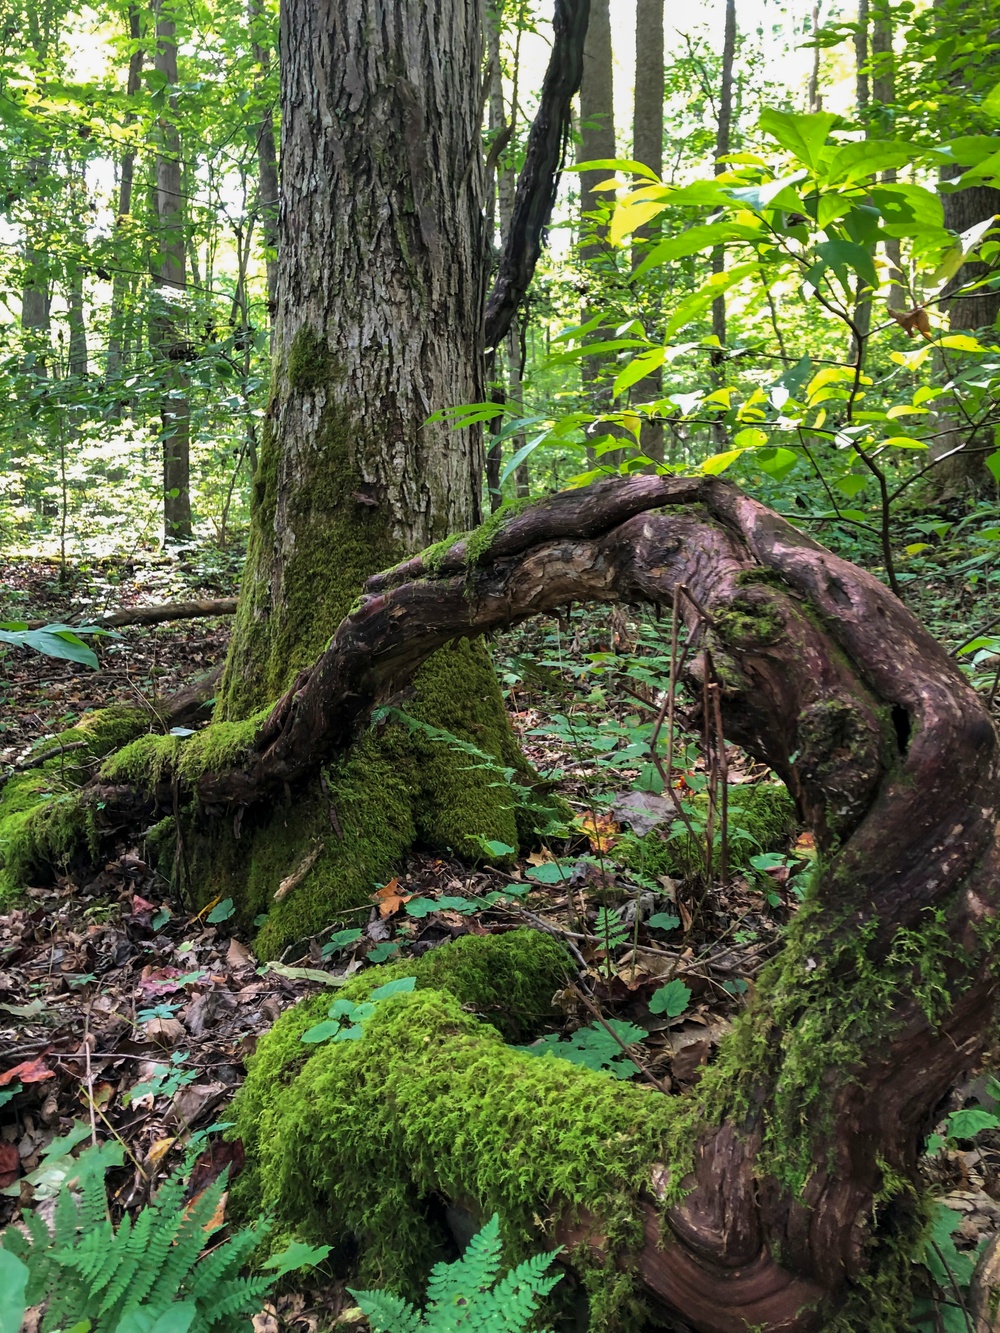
<point x="387" y="1313"/>
<point x="189" y="1241"/>
<point x="475" y="1271"/>
<point x="221" y="1265"/>
<point x="241" y="1296"/>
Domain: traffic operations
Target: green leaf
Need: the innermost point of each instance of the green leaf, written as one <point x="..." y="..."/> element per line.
<point x="421" y="907"/>
<point x="671" y="999"/>
<point x="341" y="940"/>
<point x="399" y="987"/>
<point x="776" y="463"/>
<point x="692" y="242"/>
<point x="498" y="848"/>
<point x="992" y="461"/>
<point x="970" y="1122"/>
<point x="991" y="104"/>
<point x="903" y="442"/>
<point x="321" y="1031"/>
<point x="297" y="1255"/>
<point x="719" y="462"/>
<point x="13" y="1282"/>
<point x="549" y="872"/>
<point x="663" y="921"/>
<point x="771" y="194"/>
<point x="840" y="254"/>
<point x="868" y="157"/>
<point x="751" y="438"/>
<point x="221" y="912"/>
<point x="382" y="951"/>
<point x="803" y="135"/>
<point x="638" y="369"/>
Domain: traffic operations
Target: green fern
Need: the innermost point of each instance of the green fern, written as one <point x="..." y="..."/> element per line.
<point x="147" y="1276"/>
<point x="465" y="1297"/>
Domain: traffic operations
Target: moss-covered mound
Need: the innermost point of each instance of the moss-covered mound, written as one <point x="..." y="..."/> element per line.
<point x="43" y="824"/>
<point x="761" y="819"/>
<point x="358" y="1140"/>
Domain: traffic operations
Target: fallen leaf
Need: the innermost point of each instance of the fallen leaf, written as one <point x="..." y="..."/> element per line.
<point x="389" y="898"/>
<point x="159" y="1150"/>
<point x="164" y="1031"/>
<point x="296" y="877"/>
<point x="805" y="847"/>
<point x="214" y="1160"/>
<point x="642" y="811"/>
<point x="238" y="955"/>
<point x="601" y="831"/>
<point x="29" y="1071"/>
<point x="10" y="1164"/>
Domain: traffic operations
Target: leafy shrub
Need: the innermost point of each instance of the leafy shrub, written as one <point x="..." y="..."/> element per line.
<point x="143" y="1277"/>
<point x="465" y="1296"/>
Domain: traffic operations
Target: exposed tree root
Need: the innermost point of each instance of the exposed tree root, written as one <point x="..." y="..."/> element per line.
<point x="794" y="1165"/>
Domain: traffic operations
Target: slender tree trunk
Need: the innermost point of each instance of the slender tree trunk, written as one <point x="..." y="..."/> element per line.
<point x="597" y="141"/>
<point x="167" y="340"/>
<point x="814" y="96"/>
<point x="121" y="283"/>
<point x="267" y="158"/>
<point x="884" y="95"/>
<point x="647" y="148"/>
<point x="722" y="147"/>
<point x="76" y="321"/>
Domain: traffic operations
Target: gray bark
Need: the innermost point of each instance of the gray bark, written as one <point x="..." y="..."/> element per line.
<point x="381" y="277"/>
<point x="166" y="337"/>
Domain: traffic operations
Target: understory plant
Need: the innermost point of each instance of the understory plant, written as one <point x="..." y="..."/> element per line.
<point x="143" y="1276"/>
<point x="465" y="1295"/>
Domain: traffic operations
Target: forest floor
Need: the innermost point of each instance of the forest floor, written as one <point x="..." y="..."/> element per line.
<point x="122" y="1010"/>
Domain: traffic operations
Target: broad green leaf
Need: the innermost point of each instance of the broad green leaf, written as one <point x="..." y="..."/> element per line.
<point x="840" y="254"/>
<point x="966" y="1124"/>
<point x="549" y="872"/>
<point x="617" y="164"/>
<point x="719" y="462"/>
<point x="776" y="463"/>
<point x="663" y="921"/>
<point x="630" y="215"/>
<point x="906" y="209"/>
<point x="401" y="986"/>
<point x="638" y="369"/>
<point x="321" y="1031"/>
<point x="992" y="461"/>
<point x="803" y="135"/>
<point x="671" y="999"/>
<point x="297" y="1255"/>
<point x="13" y="1282"/>
<point x="341" y="940"/>
<point x="693" y="241"/>
<point x="769" y="194"/>
<point x="221" y="912"/>
<point x="751" y="438"/>
<point x="868" y="157"/>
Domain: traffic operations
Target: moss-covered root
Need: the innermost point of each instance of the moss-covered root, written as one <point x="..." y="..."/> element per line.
<point x="430" y="1103"/>
<point x="393" y="788"/>
<point x="42" y="822"/>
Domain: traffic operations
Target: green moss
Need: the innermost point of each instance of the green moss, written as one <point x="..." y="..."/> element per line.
<point x="481" y="539"/>
<point x="432" y="1101"/>
<point x="434" y="555"/>
<point x="761" y="819"/>
<point x="749" y="621"/>
<point x="42" y="821"/>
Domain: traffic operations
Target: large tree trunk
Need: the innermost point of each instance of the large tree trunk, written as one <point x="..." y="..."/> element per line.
<point x="382" y="270"/>
<point x="781" y="1193"/>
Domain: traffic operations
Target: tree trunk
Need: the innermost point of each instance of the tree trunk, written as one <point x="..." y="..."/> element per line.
<point x="597" y="141"/>
<point x="781" y="1192"/>
<point x="722" y="147"/>
<point x="267" y="160"/>
<point x="382" y="270"/>
<point x="121" y="285"/>
<point x="647" y="148"/>
<point x="166" y="338"/>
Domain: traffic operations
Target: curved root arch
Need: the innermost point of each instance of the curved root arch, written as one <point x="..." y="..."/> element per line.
<point x="883" y="994"/>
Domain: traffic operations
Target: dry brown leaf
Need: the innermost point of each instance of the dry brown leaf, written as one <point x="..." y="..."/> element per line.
<point x="389" y="898"/>
<point x="238" y="955"/>
<point x="165" y="1031"/>
<point x="28" y="1071"/>
<point x="601" y="831"/>
<point x="913" y="321"/>
<point x="159" y="1150"/>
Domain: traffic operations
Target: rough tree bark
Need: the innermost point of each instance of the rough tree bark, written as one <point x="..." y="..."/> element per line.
<point x="781" y="1193"/>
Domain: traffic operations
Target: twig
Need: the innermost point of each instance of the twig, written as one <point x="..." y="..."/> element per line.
<point x="629" y="1051"/>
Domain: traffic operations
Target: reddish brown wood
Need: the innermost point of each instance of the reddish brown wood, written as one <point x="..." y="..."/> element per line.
<point x="888" y="752"/>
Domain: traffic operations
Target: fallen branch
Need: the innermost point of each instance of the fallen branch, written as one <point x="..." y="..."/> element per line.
<point x="155" y="615"/>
